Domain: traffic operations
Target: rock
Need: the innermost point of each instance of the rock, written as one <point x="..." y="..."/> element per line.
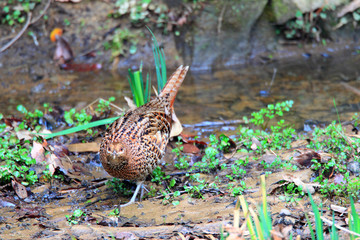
<point x="354" y="167"/>
<point x="283" y="10"/>
<point x="284" y="212"/>
<point x="228" y="25"/>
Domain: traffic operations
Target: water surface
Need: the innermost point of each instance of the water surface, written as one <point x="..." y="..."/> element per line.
<point x="222" y="95"/>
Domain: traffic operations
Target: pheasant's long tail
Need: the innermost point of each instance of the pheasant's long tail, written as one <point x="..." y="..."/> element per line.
<point x="173" y="84"/>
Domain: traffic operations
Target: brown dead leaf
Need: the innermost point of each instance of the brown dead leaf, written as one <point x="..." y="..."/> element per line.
<point x="176" y="127"/>
<point x="268" y="158"/>
<point x="305" y="157"/>
<point x="339" y="209"/>
<point x="84" y="147"/>
<point x="37" y="152"/>
<point x="24" y="134"/>
<point x="190" y="148"/>
<point x="53" y="163"/>
<point x="59" y="149"/>
<point x="130" y="103"/>
<point x="299" y="143"/>
<point x="19" y="189"/>
<point x="30" y="212"/>
<point x="297" y="177"/>
<point x="63" y="52"/>
<point x="255" y="143"/>
<point x="305" y="186"/>
<point x="181" y="21"/>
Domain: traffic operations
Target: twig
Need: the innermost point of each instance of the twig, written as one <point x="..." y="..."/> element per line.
<point x="272" y="79"/>
<point x="221" y="18"/>
<point x="336" y="225"/>
<point x="42" y="13"/>
<point x="351" y="88"/>
<point x="183" y="173"/>
<point x="235" y="151"/>
<point x="111" y="104"/>
<point x="19" y="34"/>
<point x="27" y="24"/>
<point x="212" y="124"/>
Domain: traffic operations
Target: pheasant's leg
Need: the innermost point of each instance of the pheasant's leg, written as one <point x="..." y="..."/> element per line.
<point x="132" y="200"/>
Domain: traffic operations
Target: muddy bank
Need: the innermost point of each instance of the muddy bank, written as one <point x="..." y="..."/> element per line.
<point x="214" y="35"/>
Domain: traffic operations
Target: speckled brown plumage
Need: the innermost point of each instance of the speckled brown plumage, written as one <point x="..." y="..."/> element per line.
<point x="134" y="145"/>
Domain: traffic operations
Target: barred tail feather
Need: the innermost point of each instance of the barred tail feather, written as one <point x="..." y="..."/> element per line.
<point x="173" y="84"/>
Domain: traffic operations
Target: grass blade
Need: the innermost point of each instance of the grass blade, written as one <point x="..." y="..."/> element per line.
<point x="163" y="68"/>
<point x="160" y="63"/>
<point x="354" y="221"/>
<point x="131" y="79"/>
<point x="258" y="228"/>
<point x="318" y="221"/>
<point x="249" y="223"/>
<point x="147" y="89"/>
<point x="334" y="234"/>
<point x="80" y="128"/>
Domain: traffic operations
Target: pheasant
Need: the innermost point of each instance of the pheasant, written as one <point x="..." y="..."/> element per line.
<point x="134" y="144"/>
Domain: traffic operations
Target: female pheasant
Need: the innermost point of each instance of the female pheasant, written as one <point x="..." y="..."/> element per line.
<point x="134" y="144"/>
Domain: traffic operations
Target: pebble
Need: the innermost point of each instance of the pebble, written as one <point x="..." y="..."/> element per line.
<point x="284" y="212"/>
<point x="354" y="167"/>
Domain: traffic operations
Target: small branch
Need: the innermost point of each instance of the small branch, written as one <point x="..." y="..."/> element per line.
<point x="272" y="79"/>
<point x="336" y="225"/>
<point x="183" y="173"/>
<point x="351" y="88"/>
<point x="221" y="18"/>
<point x="28" y="22"/>
<point x="42" y="13"/>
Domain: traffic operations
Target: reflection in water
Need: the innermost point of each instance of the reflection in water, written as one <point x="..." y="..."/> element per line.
<point x="227" y="94"/>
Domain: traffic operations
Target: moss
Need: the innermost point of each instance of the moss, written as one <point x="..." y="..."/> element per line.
<point x="282" y="10"/>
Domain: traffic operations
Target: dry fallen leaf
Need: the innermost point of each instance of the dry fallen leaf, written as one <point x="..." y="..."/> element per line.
<point x="37" y="152"/>
<point x="255" y="143"/>
<point x="305" y="186"/>
<point x="63" y="52"/>
<point x="190" y="148"/>
<point x="19" y="189"/>
<point x="130" y="103"/>
<point x="24" y="134"/>
<point x="176" y="127"/>
<point x="339" y="209"/>
<point x="305" y="157"/>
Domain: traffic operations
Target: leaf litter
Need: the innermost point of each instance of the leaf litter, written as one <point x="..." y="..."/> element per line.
<point x="80" y="184"/>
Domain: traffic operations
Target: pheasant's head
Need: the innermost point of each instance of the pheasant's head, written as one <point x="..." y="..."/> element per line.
<point x="114" y="156"/>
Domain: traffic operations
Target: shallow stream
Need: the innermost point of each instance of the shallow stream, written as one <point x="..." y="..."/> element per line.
<point x="207" y="99"/>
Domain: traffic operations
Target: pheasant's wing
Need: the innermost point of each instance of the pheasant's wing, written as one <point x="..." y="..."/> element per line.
<point x="155" y="135"/>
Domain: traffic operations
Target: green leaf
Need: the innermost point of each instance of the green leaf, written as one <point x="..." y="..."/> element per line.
<point x="356" y="16"/>
<point x="298" y="14"/>
<point x="133" y="49"/>
<point x="78" y="213"/>
<point x="6" y="9"/>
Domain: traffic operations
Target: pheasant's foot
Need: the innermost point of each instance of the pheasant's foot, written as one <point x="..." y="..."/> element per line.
<point x="133" y="198"/>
